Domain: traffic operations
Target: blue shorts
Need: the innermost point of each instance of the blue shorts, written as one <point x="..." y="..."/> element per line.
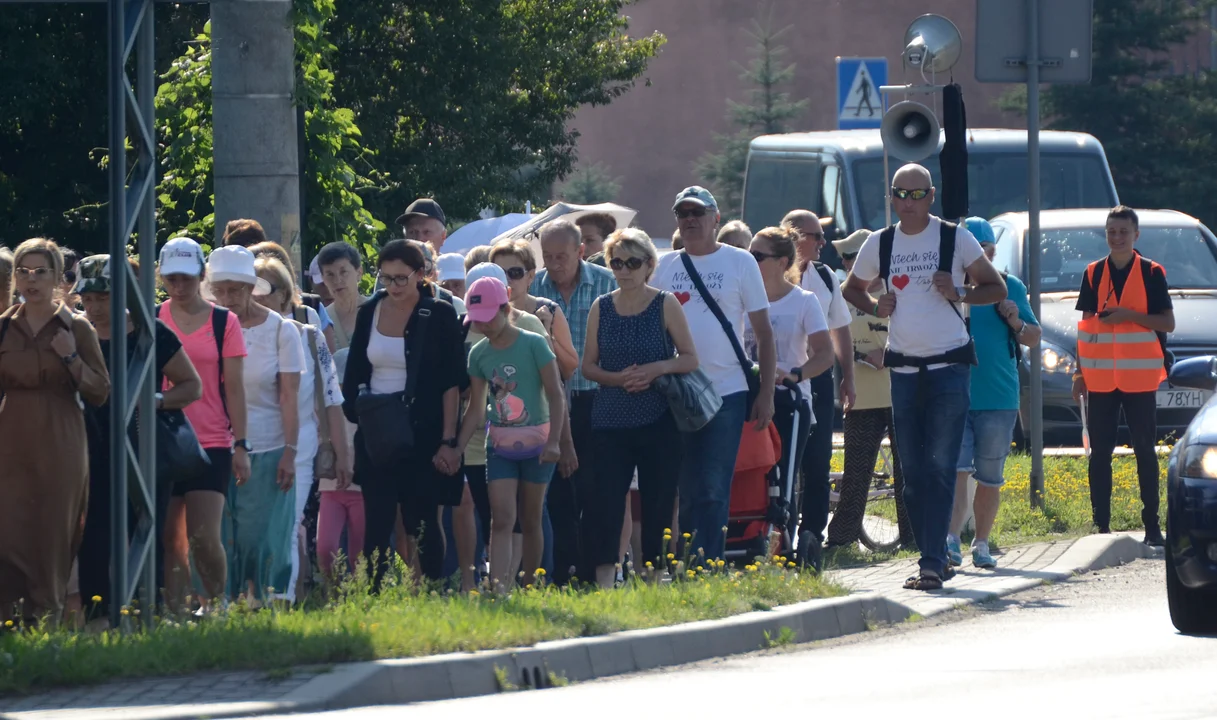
<point x="987" y="436"/>
<point x="529" y="471"/>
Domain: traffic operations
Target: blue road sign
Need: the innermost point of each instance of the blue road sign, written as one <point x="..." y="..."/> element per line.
<point x="859" y="103"/>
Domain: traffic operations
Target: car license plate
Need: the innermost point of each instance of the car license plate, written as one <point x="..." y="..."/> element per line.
<point x="1176" y="398"/>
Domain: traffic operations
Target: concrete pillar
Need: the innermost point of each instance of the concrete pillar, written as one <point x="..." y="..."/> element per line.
<point x="256" y="155"/>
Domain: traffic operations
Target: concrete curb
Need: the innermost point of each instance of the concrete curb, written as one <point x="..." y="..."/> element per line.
<point x="461" y="675"/>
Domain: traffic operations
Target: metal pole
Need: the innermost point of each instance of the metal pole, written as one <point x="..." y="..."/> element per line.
<point x="1213" y="38"/>
<point x="118" y="311"/>
<point x="1033" y="245"/>
<point x="146" y="87"/>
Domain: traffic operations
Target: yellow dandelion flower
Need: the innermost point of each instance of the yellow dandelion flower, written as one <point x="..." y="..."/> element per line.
<point x="124" y="612"/>
<point x="671" y="556"/>
<point x="96" y="598"/>
<point x="649" y="566"/>
<point x="474" y="593"/>
<point x="690" y="574"/>
<point x="8" y="623"/>
<point x="375" y="626"/>
<point x="541" y="572"/>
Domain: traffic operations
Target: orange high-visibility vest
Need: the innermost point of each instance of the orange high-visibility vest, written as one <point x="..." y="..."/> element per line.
<point x="1126" y="356"/>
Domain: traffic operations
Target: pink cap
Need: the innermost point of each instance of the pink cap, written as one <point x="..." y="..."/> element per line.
<point x="483" y="299"/>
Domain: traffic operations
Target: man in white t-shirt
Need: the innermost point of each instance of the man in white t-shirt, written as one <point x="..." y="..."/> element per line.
<point x="929" y="350"/>
<point x="817" y="455"/>
<point x="733" y="280"/>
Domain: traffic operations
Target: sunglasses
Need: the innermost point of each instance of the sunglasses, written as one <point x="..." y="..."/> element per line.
<point x="39" y="272"/>
<point x="902" y="194"/>
<point x="817" y="236"/>
<point x="515" y="273"/>
<point x="762" y="257"/>
<point x="629" y="263"/>
<point x="681" y="214"/>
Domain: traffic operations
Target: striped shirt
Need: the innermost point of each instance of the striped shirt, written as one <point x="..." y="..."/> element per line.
<point x="594" y="281"/>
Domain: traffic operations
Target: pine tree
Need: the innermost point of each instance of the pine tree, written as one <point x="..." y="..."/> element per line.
<point x="769" y="111"/>
<point x="591" y="184"/>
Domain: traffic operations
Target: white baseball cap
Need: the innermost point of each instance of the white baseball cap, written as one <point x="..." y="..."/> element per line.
<point x="481" y="270"/>
<point x="236" y="264"/>
<point x="314" y="272"/>
<point x="181" y="256"/>
<point x="451" y="266"/>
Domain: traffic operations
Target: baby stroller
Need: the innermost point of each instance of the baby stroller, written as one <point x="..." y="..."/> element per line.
<point x="764" y="510"/>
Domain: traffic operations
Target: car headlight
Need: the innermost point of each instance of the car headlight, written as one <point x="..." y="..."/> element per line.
<point x="1054" y="359"/>
<point x="1199" y="462"/>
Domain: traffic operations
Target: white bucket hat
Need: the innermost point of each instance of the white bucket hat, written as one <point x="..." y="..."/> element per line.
<point x="236" y="264"/>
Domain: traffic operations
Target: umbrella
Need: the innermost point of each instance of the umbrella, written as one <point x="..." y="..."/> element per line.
<point x="530" y="229"/>
<point x="482" y="232"/>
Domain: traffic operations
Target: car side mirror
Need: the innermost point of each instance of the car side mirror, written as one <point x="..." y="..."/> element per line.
<point x="1198" y="373"/>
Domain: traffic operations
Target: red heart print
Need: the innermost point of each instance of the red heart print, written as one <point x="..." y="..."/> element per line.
<point x="900" y="281"/>
<point x="683" y="297"/>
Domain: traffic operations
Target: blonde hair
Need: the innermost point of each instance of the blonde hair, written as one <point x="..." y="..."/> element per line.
<point x="272" y="270"/>
<point x="477" y="256"/>
<point x="736" y="234"/>
<point x="521" y="249"/>
<point x="278" y="252"/>
<point x="782" y="242"/>
<point x="46" y="248"/>
<point x="634" y="243"/>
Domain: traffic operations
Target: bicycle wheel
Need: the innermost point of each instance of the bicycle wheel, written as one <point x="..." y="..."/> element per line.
<point x="880" y="530"/>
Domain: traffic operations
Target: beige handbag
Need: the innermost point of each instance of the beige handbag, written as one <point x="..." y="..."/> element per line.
<point x="325" y="464"/>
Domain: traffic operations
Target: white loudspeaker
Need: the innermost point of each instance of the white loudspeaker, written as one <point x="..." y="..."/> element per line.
<point x="910" y="131"/>
<point x="932" y="43"/>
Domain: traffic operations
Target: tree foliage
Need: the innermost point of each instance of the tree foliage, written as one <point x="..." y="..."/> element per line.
<point x="769" y="111"/>
<point x="468" y="101"/>
<point x="591" y="184"/>
<point x="1156" y="126"/>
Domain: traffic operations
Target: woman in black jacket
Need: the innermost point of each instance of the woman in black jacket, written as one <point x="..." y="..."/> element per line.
<point x="407" y="343"/>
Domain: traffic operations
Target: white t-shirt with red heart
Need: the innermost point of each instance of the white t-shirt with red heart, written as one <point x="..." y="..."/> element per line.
<point x="923" y="324"/>
<point x="733" y="278"/>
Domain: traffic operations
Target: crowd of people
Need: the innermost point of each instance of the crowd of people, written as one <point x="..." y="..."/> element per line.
<point x="500" y="417"/>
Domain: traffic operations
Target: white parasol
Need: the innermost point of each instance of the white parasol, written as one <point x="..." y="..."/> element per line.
<point x="530" y="229"/>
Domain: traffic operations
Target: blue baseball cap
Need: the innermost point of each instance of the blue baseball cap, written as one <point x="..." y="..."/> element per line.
<point x="981" y="230"/>
<point x="696" y="194"/>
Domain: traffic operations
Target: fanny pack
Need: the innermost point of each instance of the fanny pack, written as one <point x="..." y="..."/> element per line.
<point x="519" y="443"/>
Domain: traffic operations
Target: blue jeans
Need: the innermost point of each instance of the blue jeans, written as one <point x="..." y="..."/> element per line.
<point x="986" y="443"/>
<point x="929" y="409"/>
<point x="705" y="477"/>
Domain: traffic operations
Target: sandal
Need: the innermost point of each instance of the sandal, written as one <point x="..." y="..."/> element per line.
<point x="911" y="582"/>
<point x="923" y="582"/>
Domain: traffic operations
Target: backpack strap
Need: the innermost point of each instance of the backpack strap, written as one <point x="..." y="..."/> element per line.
<point x="825" y="275"/>
<point x="886" y="239"/>
<point x="300" y="315"/>
<point x="946" y="260"/>
<point x="219" y="328"/>
<point x="712" y="304"/>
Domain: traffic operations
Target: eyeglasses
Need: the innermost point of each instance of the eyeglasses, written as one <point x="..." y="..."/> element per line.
<point x="903" y="194"/>
<point x="682" y="213"/>
<point x="762" y="257"/>
<point x="39" y="273"/>
<point x="398" y="280"/>
<point x="626" y="263"/>
<point x="515" y="273"/>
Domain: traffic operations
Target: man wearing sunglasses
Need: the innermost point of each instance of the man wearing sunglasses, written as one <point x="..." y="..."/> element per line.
<point x="922" y="262"/>
<point x="733" y="281"/>
<point x="817" y="455"/>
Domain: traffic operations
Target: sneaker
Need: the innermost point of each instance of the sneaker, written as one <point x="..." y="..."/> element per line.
<point x="954" y="553"/>
<point x="1153" y="537"/>
<point x="981" y="557"/>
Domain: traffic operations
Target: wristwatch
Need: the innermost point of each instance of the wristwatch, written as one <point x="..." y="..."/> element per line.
<point x="244" y="445"/>
<point x="69" y="359"/>
<point x="449" y="442"/>
<point x="961" y="290"/>
<point x="160" y="400"/>
<point x="798" y="373"/>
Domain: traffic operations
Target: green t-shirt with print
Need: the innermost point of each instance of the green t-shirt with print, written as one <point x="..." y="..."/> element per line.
<point x="513" y="376"/>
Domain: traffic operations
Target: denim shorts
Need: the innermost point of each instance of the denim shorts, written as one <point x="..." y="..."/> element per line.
<point x="987" y="436"/>
<point x="529" y="471"/>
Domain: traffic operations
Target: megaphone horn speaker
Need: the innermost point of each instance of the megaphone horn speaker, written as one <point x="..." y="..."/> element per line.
<point x="910" y="131"/>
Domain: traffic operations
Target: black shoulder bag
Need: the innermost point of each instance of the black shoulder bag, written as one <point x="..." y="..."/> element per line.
<point x="385" y="423"/>
<point x="179" y="455"/>
<point x="691" y="397"/>
<point x="750" y="372"/>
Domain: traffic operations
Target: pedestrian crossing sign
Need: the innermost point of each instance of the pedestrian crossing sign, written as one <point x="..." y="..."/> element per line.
<point x="859" y="102"/>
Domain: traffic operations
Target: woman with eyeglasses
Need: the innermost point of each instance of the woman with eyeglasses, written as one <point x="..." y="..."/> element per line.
<point x="50" y="360"/>
<point x="635" y="334"/>
<point x="804" y="348"/>
<point x="261" y="520"/>
<point x="406" y="366"/>
<point x="306" y="308"/>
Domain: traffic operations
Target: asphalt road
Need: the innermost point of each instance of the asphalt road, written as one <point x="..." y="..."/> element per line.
<point x="1101" y="646"/>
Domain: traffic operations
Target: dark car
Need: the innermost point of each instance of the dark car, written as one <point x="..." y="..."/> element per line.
<point x="1191" y="508"/>
<point x="1071" y="240"/>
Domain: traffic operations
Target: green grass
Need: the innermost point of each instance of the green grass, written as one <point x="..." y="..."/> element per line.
<point x="1066" y="511"/>
<point x="400" y="622"/>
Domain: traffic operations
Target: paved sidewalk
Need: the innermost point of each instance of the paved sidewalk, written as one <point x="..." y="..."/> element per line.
<point x="877" y="598"/>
